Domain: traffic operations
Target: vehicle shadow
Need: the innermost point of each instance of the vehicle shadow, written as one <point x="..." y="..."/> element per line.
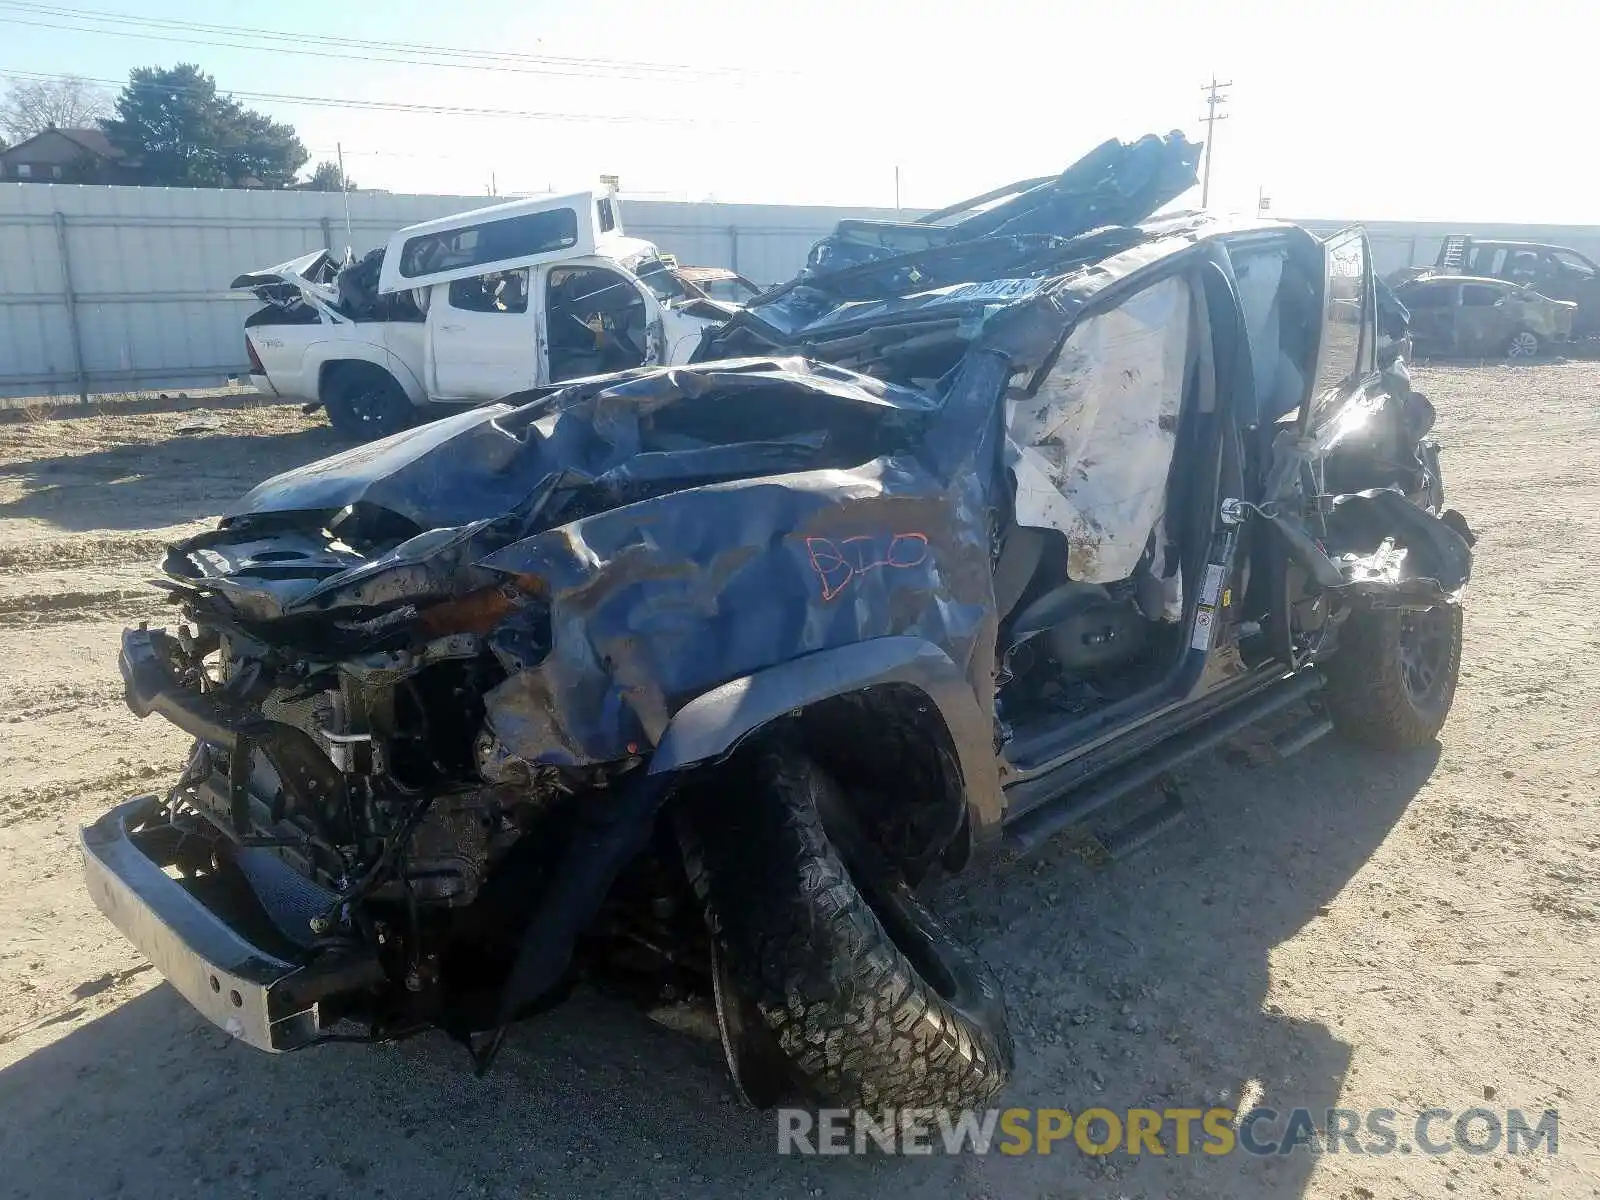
<point x="142" y="485"/>
<point x="1144" y="984"/>
<point x="1141" y="984"/>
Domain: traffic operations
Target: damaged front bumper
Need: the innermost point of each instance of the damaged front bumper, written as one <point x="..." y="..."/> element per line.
<point x="270" y="1002"/>
<point x="185" y="898"/>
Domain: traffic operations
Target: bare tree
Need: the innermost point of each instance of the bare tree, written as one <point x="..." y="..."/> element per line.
<point x="30" y="107"/>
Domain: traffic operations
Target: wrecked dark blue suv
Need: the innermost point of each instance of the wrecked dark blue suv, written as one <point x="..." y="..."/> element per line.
<point x="684" y="678"/>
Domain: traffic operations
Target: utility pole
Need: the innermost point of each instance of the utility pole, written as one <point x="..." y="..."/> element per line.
<point x="1214" y="101"/>
<point x="344" y="186"/>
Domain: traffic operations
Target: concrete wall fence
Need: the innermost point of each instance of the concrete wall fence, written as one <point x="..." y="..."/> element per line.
<point x="119" y="289"/>
<point x="123" y="289"/>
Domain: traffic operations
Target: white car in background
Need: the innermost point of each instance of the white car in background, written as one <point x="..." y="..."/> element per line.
<point x="469" y="308"/>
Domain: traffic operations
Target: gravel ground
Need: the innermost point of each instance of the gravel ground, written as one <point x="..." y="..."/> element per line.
<point x="1339" y="930"/>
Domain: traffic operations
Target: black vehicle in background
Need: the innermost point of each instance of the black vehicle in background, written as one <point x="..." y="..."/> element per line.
<point x="1558" y="272"/>
<point x="966" y="536"/>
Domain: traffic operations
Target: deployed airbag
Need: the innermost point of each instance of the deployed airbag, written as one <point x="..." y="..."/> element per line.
<point x="1091" y="449"/>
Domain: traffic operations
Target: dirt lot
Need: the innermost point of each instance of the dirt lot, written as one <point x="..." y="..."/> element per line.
<point x="1342" y="929"/>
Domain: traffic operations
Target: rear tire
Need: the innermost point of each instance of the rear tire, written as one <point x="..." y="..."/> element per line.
<point x="866" y="1018"/>
<point x="365" y="402"/>
<point x="1393" y="678"/>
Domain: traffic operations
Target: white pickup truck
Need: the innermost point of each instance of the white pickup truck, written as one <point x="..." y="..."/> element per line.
<point x="470" y="308"/>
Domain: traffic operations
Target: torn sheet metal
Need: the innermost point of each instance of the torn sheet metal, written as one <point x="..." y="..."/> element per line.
<point x="652" y="604"/>
<point x="311" y="273"/>
<point x="1091" y="449"/>
<point x="1035" y="230"/>
<point x="664" y="531"/>
<point x="1116" y="183"/>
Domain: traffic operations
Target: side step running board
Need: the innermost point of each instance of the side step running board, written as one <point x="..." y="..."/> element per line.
<point x="1294" y="740"/>
<point x="1143" y="829"/>
<point x="1036" y="826"/>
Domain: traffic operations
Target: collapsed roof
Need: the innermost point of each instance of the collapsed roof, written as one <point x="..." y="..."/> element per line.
<point x="900" y="296"/>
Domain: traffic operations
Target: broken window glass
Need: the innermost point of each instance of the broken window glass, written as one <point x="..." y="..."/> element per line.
<point x="498" y="291"/>
<point x="595" y="321"/>
<point x="657" y="275"/>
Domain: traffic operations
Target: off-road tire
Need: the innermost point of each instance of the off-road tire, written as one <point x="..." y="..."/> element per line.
<point x="365" y="402"/>
<point x="861" y="1024"/>
<point x="1368" y="695"/>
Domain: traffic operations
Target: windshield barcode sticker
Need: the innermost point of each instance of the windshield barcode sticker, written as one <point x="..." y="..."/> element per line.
<point x="995" y="289"/>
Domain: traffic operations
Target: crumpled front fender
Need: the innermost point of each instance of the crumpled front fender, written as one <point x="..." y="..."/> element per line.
<point x="1438" y="548"/>
<point x="713" y="724"/>
<point x="650" y="606"/>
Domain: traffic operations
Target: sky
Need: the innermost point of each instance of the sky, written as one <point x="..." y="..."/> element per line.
<point x="1355" y="109"/>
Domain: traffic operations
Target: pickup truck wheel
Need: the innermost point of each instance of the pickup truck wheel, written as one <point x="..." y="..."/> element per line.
<point x="1393" y="678"/>
<point x="869" y="1000"/>
<point x="366" y="403"/>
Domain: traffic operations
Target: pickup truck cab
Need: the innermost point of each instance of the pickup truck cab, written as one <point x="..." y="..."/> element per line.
<point x="469" y="308"/>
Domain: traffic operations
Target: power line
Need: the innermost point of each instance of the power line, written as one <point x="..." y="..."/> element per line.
<point x="451" y="110"/>
<point x="241" y="37"/>
<point x="351" y="56"/>
<point x="356" y="152"/>
<point x="1214" y="100"/>
<point x="369" y="43"/>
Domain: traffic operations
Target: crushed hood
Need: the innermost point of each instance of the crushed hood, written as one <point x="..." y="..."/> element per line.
<point x="638" y="538"/>
<point x="606" y="442"/>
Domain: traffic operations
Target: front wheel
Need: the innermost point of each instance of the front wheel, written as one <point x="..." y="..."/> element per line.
<point x="1524" y="344"/>
<point x="866" y="996"/>
<point x="1393" y="677"/>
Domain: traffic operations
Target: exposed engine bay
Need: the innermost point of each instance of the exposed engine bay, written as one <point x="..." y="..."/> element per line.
<point x="365" y="803"/>
<point x="406" y="713"/>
